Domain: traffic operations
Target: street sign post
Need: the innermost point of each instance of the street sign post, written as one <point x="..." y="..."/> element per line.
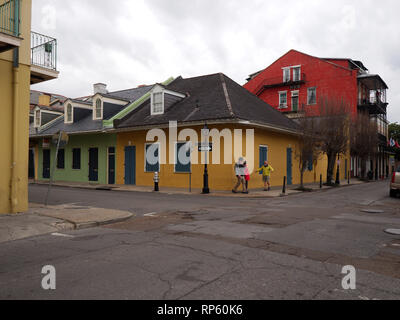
<point x="60" y="140"/>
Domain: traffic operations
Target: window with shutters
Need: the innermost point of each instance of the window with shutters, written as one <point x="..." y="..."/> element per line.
<point x="182" y="157"/>
<point x="263" y="154"/>
<point x="76" y="159"/>
<point x="296" y="73"/>
<point x="152" y="154"/>
<point x="61" y="159"/>
<point x="283" y="99"/>
<point x="312" y="96"/>
<point x="286" y="74"/>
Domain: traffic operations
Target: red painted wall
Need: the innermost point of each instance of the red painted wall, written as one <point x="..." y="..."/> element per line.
<point x="330" y="80"/>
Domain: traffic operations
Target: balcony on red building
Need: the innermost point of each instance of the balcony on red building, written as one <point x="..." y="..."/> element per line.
<point x="276" y="82"/>
<point x="372" y="94"/>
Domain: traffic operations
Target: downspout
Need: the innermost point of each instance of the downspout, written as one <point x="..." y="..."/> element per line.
<point x="14" y="159"/>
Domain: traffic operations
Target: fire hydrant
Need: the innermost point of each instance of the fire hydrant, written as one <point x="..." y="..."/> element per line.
<point x="156" y="181"/>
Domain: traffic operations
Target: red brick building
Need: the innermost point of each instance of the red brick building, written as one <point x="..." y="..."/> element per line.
<point x="294" y="83"/>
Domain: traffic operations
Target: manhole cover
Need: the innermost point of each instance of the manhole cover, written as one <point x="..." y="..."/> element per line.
<point x="372" y="211"/>
<point x="393" y="231"/>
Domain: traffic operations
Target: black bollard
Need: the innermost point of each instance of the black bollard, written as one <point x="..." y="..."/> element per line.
<point x="320" y="181"/>
<point x="284" y="185"/>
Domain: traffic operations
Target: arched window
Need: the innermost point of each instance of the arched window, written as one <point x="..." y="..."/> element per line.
<point x="98" y="109"/>
<point x="69" y="112"/>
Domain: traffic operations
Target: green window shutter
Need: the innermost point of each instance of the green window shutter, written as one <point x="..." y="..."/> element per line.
<point x="61" y="159"/>
<point x="76" y="159"/>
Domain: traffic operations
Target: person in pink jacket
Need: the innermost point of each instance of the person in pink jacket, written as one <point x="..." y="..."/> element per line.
<point x="246" y="176"/>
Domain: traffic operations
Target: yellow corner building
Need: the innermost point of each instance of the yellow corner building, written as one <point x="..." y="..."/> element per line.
<point x="25" y="58"/>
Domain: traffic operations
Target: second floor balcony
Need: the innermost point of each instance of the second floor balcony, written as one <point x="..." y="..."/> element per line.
<point x="373" y="105"/>
<point x="10" y="24"/>
<point x="43" y="58"/>
<point x="276" y="82"/>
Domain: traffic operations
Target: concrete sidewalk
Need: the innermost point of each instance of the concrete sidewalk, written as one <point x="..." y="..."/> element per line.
<point x="52" y="219"/>
<point x="254" y="193"/>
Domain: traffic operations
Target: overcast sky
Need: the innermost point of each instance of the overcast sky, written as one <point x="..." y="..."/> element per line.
<point x="128" y="43"/>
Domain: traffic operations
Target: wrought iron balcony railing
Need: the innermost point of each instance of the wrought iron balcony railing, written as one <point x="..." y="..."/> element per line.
<point x="373" y="105"/>
<point x="10" y="17"/>
<point x="279" y="82"/>
<point x="43" y="51"/>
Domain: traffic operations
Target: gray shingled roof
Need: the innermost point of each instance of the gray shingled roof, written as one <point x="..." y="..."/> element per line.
<point x="211" y="97"/>
<point x="83" y="121"/>
<point x="130" y="94"/>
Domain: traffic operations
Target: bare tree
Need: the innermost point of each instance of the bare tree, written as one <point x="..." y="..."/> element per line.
<point x="309" y="145"/>
<point x="363" y="139"/>
<point x="333" y="130"/>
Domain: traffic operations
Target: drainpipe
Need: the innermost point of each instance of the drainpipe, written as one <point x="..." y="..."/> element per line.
<point x="14" y="167"/>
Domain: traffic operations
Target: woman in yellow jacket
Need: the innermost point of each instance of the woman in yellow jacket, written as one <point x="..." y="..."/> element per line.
<point x="266" y="171"/>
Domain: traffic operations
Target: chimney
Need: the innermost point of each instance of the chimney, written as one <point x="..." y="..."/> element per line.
<point x="100" y="88"/>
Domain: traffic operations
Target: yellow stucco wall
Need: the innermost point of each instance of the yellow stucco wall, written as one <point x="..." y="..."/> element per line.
<point x="6" y="128"/>
<point x="221" y="177"/>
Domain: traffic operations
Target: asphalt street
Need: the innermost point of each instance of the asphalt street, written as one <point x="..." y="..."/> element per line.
<point x="205" y="247"/>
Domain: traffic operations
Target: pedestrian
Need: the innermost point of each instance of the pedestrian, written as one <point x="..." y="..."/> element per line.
<point x="266" y="171"/>
<point x="240" y="176"/>
<point x="246" y="176"/>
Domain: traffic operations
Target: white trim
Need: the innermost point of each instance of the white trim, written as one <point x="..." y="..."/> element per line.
<point x="66" y="113"/>
<point x="173" y="93"/>
<point x="95" y="108"/>
<point x="175" y="154"/>
<point x="311" y="104"/>
<point x="145" y="156"/>
<point x="284" y="78"/>
<point x="52" y="112"/>
<point x="152" y="99"/>
<point x="109" y="100"/>
<point x="281" y="106"/>
<point x="35" y="124"/>
<point x="79" y="105"/>
<point x="295" y="93"/>
<point x="295" y="67"/>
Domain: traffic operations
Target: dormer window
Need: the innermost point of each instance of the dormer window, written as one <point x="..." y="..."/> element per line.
<point x="98" y="113"/>
<point x="37" y="119"/>
<point x="157" y="103"/>
<point x="68" y="114"/>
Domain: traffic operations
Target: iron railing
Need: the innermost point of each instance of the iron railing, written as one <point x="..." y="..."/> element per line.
<point x="10" y="17"/>
<point x="43" y="51"/>
<point x="279" y="82"/>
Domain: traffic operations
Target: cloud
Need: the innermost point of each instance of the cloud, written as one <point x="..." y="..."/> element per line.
<point x="127" y="43"/>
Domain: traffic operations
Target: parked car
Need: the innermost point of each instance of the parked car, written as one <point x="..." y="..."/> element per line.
<point x="395" y="183"/>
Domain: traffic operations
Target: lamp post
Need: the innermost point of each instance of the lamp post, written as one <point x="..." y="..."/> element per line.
<point x="206" y="132"/>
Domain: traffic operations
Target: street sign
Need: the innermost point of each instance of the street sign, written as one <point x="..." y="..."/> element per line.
<point x="205" y="147"/>
<point x="63" y="140"/>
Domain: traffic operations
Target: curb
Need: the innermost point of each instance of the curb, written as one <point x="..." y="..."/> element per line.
<point x="227" y="195"/>
<point x="87" y="225"/>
